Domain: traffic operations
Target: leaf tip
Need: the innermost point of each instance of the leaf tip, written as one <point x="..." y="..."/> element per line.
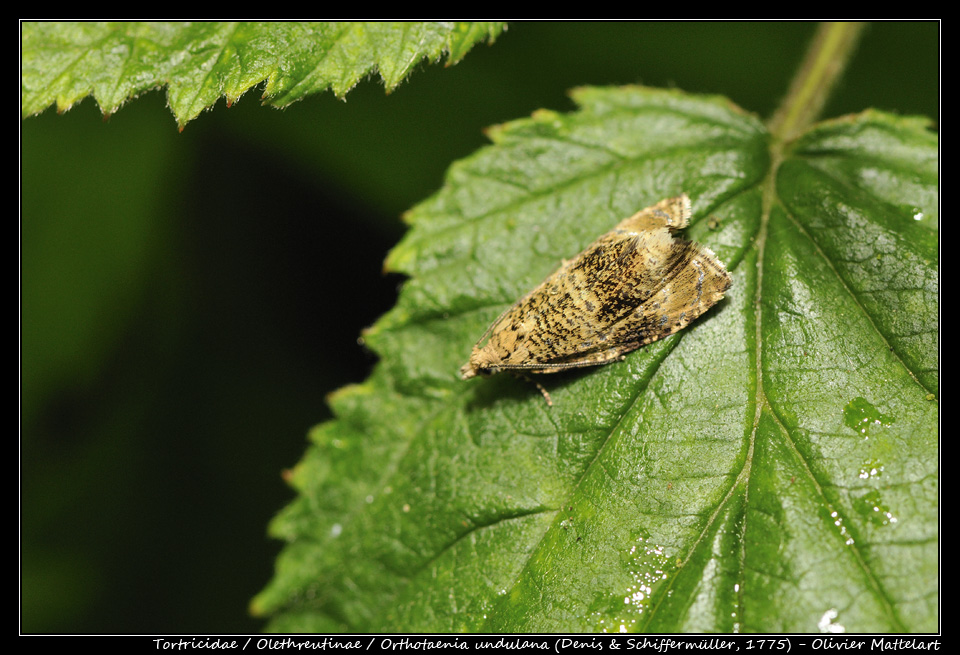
<point x="495" y="132"/>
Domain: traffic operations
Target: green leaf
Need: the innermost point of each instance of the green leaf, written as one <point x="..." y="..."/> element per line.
<point x="773" y="467"/>
<point x="200" y="62"/>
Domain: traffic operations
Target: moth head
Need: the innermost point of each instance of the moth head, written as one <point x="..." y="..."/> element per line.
<point x="480" y="364"/>
<point x="470" y="370"/>
<point x="467" y="371"/>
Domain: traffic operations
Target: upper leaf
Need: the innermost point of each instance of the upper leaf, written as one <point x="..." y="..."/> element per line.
<point x="200" y="62"/>
<point x="770" y="468"/>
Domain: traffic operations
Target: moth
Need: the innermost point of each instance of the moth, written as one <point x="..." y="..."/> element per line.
<point x="630" y="287"/>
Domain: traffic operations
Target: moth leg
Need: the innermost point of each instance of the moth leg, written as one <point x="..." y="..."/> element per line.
<point x="544" y="392"/>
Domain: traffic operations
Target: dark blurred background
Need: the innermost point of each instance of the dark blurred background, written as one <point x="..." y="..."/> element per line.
<point x="188" y="299"/>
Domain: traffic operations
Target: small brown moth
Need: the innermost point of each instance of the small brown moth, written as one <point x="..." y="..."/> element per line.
<point x="632" y="286"/>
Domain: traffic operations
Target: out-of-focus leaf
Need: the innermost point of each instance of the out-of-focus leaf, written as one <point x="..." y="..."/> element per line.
<point x="201" y="62"/>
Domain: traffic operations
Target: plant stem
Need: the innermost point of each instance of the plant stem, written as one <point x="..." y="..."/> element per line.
<point x="828" y="55"/>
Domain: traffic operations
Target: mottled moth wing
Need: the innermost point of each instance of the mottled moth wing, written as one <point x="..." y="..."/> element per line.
<point x="633" y="285"/>
<point x="696" y="281"/>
